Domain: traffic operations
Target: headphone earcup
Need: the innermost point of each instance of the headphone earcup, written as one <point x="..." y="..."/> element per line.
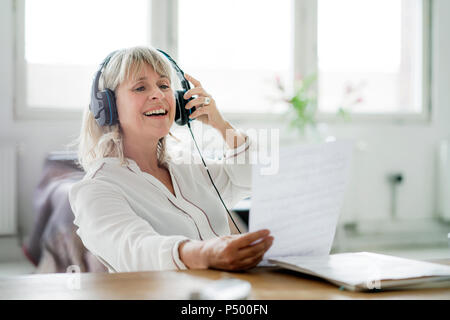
<point x="113" y="114"/>
<point x="181" y="113"/>
<point x="179" y="106"/>
<point x="103" y="107"/>
<point x="109" y="106"/>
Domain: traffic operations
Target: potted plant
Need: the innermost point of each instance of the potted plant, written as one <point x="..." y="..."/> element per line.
<point x="302" y="107"/>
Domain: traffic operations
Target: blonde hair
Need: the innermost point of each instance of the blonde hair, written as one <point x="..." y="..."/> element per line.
<point x="96" y="142"/>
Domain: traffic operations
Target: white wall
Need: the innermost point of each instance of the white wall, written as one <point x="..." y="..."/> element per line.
<point x="409" y="149"/>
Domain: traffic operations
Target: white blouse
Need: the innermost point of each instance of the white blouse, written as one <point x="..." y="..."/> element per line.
<point x="132" y="222"/>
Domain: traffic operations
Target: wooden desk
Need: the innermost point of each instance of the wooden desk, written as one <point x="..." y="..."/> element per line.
<point x="267" y="283"/>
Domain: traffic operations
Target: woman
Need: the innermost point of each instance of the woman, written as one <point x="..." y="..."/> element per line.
<point x="138" y="209"/>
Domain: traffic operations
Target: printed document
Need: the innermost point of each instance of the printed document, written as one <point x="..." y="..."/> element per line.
<point x="300" y="204"/>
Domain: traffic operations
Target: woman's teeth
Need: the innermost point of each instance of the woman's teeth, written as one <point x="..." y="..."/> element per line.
<point x="158" y="112"/>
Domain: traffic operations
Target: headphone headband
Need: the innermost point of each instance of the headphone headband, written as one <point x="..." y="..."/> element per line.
<point x="180" y="73"/>
<point x="99" y="72"/>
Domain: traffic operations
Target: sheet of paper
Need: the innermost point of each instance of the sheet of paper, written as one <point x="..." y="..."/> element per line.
<point x="300" y="204"/>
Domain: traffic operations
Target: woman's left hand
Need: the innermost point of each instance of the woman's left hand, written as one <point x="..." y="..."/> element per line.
<point x="206" y="109"/>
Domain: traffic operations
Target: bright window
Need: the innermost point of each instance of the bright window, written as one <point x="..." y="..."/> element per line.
<point x="236" y="49"/>
<point x="65" y="41"/>
<point x="370" y="56"/>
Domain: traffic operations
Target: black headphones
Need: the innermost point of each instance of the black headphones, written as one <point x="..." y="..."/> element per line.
<point x="103" y="103"/>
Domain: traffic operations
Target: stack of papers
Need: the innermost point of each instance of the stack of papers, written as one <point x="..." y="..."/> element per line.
<point x="369" y="271"/>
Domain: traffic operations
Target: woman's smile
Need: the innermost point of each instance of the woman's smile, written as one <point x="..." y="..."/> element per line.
<point x="156" y="113"/>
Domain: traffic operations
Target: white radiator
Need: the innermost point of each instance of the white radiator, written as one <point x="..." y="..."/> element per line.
<point x="8" y="190"/>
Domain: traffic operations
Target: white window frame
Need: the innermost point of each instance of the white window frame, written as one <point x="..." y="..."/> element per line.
<point x="24" y="112"/>
<point x="424" y="117"/>
<point x="21" y="110"/>
<point x="304" y="17"/>
<point x="164" y="34"/>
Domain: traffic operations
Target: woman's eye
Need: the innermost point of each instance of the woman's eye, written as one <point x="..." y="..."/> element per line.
<point x="142" y="88"/>
<point x="164" y="86"/>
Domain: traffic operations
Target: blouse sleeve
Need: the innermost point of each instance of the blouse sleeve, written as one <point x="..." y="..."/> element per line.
<point x="111" y="230"/>
<point x="232" y="174"/>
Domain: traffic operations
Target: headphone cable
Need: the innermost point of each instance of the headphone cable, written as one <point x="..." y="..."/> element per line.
<point x="210" y="178"/>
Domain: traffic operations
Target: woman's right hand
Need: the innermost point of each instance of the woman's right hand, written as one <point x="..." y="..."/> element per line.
<point x="234" y="252"/>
